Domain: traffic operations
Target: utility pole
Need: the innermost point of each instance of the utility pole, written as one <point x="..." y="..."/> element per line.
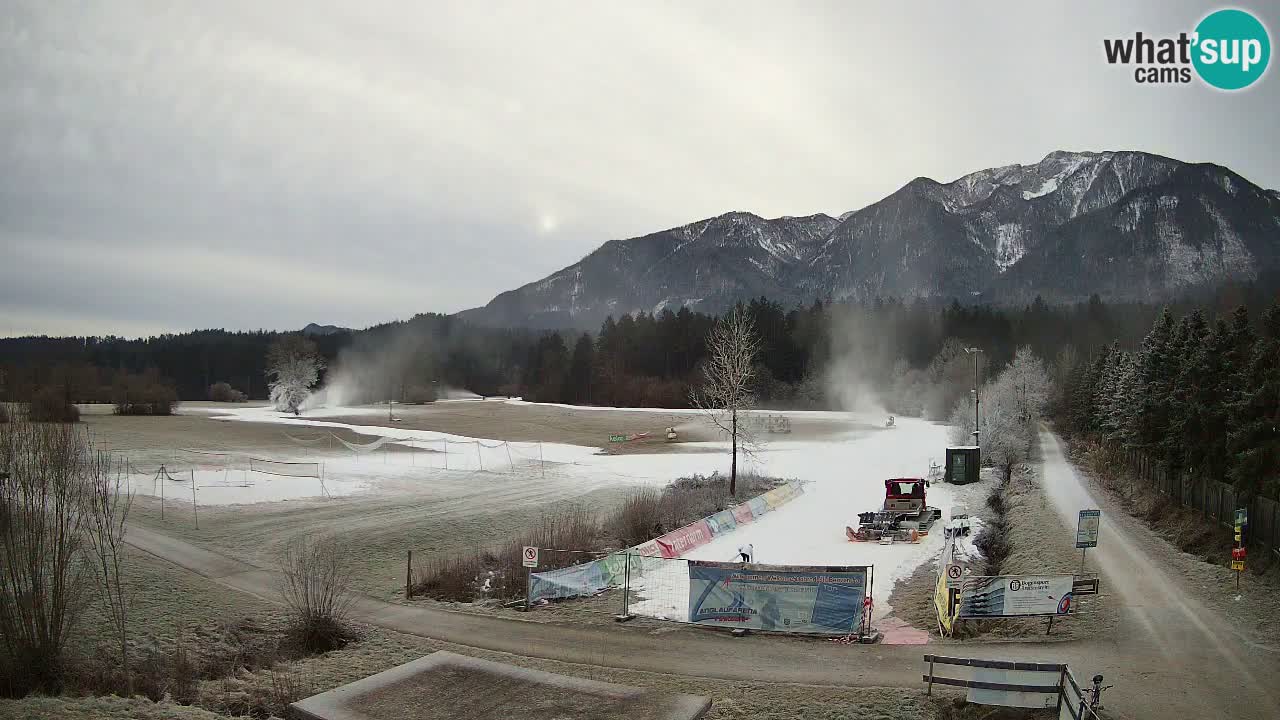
<point x="976" y="436"/>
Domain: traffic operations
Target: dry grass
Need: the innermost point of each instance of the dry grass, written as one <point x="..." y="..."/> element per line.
<point x="499" y="573"/>
<point x="101" y="708"/>
<point x="731" y="699"/>
<point x="1038" y="543"/>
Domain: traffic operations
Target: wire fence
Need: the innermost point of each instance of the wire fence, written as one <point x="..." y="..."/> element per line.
<point x="499" y="456"/>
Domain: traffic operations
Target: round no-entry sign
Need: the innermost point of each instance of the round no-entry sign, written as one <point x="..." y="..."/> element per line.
<point x="953" y="572"/>
<point x="530" y="556"/>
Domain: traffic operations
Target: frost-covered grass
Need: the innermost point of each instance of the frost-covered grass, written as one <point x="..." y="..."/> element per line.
<point x="382" y="649"/>
<point x="166" y="600"/>
<point x="101" y="708"/>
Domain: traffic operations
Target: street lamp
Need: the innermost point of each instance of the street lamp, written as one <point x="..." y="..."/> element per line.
<point x="974" y="352"/>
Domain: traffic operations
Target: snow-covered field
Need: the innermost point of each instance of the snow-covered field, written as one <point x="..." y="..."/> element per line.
<point x="844" y="475"/>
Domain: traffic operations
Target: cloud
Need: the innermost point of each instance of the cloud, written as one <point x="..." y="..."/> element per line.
<point x="411" y="157"/>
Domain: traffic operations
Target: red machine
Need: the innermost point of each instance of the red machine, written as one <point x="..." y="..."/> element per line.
<point x="904" y="517"/>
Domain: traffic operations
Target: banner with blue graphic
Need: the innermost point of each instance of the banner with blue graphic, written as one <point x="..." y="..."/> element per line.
<point x="1016" y="596"/>
<point x="803" y="599"/>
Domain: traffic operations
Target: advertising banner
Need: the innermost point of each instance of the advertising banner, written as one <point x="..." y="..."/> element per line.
<point x="597" y="575"/>
<point x="1016" y="596"/>
<point x="820" y="600"/>
<point x="575" y="581"/>
<point x="678" y="542"/>
<point x="722" y="522"/>
<point x="946" y="594"/>
<point x="779" y="495"/>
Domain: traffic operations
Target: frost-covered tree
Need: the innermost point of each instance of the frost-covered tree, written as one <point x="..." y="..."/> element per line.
<point x="293" y="367"/>
<point x="1030" y="384"/>
<point x="1007" y="437"/>
<point x="1011" y="408"/>
<point x="728" y="375"/>
<point x="961" y="422"/>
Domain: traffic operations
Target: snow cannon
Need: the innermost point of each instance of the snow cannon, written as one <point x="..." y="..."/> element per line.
<point x="904" y="517"/>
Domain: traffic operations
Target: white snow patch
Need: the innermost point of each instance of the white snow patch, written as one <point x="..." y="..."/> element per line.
<point x="1010" y="245"/>
<point x="847" y="477"/>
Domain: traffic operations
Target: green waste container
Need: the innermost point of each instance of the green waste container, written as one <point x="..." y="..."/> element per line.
<point x="963" y="464"/>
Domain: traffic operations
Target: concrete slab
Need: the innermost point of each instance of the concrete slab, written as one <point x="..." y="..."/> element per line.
<point x="447" y="685"/>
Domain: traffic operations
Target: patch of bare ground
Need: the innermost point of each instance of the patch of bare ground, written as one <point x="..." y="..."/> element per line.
<point x="1196" y="548"/>
<point x="912" y="599"/>
<point x="587" y="426"/>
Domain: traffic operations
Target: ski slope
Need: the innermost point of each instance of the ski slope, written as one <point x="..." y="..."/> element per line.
<point x="845" y="476"/>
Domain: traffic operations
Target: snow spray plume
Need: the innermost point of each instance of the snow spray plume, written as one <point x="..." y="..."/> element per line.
<point x="409" y="362"/>
<point x="390" y="362"/>
<point x="860" y="358"/>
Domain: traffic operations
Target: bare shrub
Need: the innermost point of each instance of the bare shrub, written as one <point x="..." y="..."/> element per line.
<point x="317" y="589"/>
<point x="107" y="500"/>
<point x="499" y="573"/>
<point x="145" y="394"/>
<point x="993" y="540"/>
<point x="636" y="520"/>
<point x="223" y="392"/>
<point x="50" y="405"/>
<point x="457" y="579"/>
<point x="43" y="476"/>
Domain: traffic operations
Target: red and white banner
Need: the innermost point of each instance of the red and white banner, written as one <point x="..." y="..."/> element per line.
<point x="678" y="542"/>
<point x="742" y="514"/>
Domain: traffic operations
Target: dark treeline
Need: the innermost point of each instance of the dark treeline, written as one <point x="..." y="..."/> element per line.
<point x="1200" y="395"/>
<point x="899" y="352"/>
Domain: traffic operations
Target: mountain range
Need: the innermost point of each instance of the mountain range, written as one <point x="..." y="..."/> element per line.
<point x="1124" y="225"/>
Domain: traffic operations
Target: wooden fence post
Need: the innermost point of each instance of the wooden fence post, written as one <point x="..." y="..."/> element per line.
<point x="1275" y="518"/>
<point x="408" y="577"/>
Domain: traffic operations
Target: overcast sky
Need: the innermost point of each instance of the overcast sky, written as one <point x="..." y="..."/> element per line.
<point x="174" y="165"/>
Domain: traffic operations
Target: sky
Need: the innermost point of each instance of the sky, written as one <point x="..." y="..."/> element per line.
<point x="167" y="166"/>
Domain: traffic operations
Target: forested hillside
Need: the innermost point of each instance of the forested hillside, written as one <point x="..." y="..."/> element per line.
<point x="1201" y="395"/>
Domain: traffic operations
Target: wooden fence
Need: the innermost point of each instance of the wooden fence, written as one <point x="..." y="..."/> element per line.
<point x="1013" y="684"/>
<point x="1215" y="501"/>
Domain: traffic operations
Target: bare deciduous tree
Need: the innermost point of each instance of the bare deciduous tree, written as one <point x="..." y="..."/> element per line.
<point x="293" y="366"/>
<point x="108" y="499"/>
<point x="725" y="395"/>
<point x="317" y="587"/>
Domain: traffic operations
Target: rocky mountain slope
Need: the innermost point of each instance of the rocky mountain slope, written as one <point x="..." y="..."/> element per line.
<point x="1125" y="225"/>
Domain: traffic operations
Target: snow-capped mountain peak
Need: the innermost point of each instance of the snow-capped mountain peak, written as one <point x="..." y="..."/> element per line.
<point x="1118" y="223"/>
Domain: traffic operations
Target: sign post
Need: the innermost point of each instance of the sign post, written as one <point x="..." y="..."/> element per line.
<point x="1087" y="532"/>
<point x="1238" y="550"/>
<point x="528" y="558"/>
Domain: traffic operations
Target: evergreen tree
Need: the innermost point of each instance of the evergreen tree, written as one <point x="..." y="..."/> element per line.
<point x="1255" y="442"/>
<point x="578" y="384"/>
<point x="1155" y="372"/>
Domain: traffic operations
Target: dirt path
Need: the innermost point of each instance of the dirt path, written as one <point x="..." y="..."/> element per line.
<point x="1212" y="667"/>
